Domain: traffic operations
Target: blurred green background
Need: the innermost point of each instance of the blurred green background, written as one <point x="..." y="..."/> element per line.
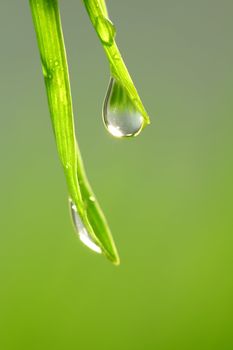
<point x="167" y="194"/>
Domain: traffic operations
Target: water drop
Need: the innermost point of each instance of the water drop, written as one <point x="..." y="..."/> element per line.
<point x="120" y="115"/>
<point x="106" y="30"/>
<point x="68" y="166"/>
<point x="81" y="230"/>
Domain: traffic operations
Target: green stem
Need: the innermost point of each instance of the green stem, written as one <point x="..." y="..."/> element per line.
<point x="103" y="7"/>
<point x="46" y="19"/>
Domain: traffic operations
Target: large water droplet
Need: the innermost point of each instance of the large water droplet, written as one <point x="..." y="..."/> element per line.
<point x="106" y="30"/>
<point x="81" y="230"/>
<point x="120" y="115"/>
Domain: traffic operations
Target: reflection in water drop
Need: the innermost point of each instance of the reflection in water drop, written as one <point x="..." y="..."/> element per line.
<point x="81" y="230"/>
<point x="120" y="115"/>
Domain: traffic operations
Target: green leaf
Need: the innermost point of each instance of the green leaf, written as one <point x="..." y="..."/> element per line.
<point x="48" y="29"/>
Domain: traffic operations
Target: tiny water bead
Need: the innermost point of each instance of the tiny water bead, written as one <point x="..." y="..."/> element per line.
<point x="81" y="230"/>
<point x="120" y="116"/>
<point x="106" y="30"/>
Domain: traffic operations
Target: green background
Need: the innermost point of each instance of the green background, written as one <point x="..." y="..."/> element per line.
<point x="167" y="194"/>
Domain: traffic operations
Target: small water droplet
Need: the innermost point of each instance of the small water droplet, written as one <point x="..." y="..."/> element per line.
<point x="45" y="71"/>
<point x="120" y="115"/>
<point x="68" y="166"/>
<point x="92" y="198"/>
<point x="81" y="230"/>
<point x="48" y="75"/>
<point x="106" y="30"/>
<point x="116" y="57"/>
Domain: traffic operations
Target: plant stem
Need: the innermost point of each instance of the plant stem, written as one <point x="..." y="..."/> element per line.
<point x="103" y="7"/>
<point x="48" y="29"/>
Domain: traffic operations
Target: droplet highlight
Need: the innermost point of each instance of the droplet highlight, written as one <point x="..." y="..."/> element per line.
<point x="81" y="230"/>
<point x="105" y="30"/>
<point x="120" y="116"/>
